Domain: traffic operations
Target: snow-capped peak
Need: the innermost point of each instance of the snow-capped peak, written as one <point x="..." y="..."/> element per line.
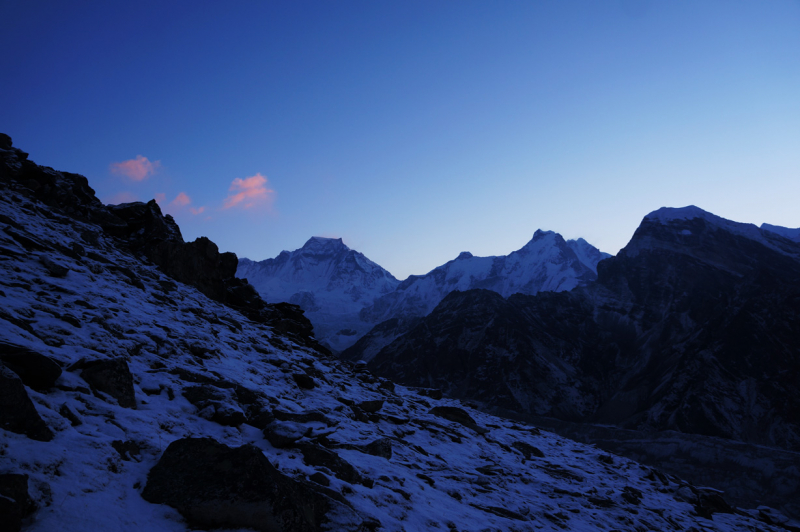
<point x="320" y="244"/>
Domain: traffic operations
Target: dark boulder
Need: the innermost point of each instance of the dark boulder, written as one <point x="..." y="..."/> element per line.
<point x="304" y="381"/>
<point x="213" y="485"/>
<point x="381" y="447"/>
<point x="15" y="503"/>
<point x="370" y="407"/>
<point x="216" y="404"/>
<point x="457" y="415"/>
<point x="318" y="456"/>
<point x="527" y="450"/>
<point x="17" y="413"/>
<point x="112" y="377"/>
<point x="36" y="370"/>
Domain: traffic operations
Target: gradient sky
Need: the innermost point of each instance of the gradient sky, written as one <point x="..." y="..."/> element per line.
<point x="414" y="130"/>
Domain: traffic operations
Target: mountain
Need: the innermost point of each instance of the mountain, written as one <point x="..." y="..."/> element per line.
<point x="329" y="281"/>
<point x="131" y="399"/>
<point x="546" y="263"/>
<point x="791" y="234"/>
<point x="693" y="327"/>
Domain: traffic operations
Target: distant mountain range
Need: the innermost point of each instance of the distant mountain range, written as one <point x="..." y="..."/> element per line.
<point x="345" y="294"/>
<point x="694" y="326"/>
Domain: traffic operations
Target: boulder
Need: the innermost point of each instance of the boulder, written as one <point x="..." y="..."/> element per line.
<point x="457" y="415"/>
<point x="112" y="377"/>
<point x="318" y="456"/>
<point x="17" y="413"/>
<point x="36" y="370"/>
<point x="220" y="405"/>
<point x="15" y="503"/>
<point x="213" y="485"/>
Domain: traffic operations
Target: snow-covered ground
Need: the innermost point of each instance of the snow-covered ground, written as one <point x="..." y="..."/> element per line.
<point x="442" y="475"/>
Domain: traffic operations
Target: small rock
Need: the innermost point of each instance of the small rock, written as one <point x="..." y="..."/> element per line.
<point x="128" y="450"/>
<point x="304" y="381"/>
<point x="67" y="412"/>
<point x="457" y="415"/>
<point x="317" y="456"/>
<point x="319" y="478"/>
<point x="112" y="377"/>
<point x="381" y="447"/>
<point x="17" y="413"/>
<point x="54" y="269"/>
<point x="527" y="450"/>
<point x="370" y="407"/>
<point x="283" y="434"/>
<point x="430" y="392"/>
<point x="36" y="370"/>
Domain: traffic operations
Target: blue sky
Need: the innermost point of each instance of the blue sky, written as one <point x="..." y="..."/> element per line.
<point x="414" y="130"/>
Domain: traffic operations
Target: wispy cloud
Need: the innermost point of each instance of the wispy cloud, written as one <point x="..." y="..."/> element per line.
<point x="178" y="204"/>
<point x="137" y="169"/>
<point x="181" y="200"/>
<point x="121" y="197"/>
<point x="249" y="192"/>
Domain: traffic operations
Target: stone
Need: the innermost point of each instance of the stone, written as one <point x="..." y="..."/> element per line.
<point x="112" y="377"/>
<point x="527" y="450"/>
<point x="17" y="413"/>
<point x="318" y="456"/>
<point x="36" y="370"/>
<point x="15" y="503"/>
<point x="68" y="413"/>
<point x="216" y="486"/>
<point x="381" y="447"/>
<point x="303" y="381"/>
<point x="53" y="268"/>
<point x="457" y="415"/>
<point x="283" y="434"/>
<point x="220" y="404"/>
<point x="370" y="407"/>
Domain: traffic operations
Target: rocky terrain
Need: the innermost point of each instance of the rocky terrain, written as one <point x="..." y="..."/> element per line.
<point x="144" y="389"/>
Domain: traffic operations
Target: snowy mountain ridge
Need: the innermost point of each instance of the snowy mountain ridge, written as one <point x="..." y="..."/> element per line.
<point x="345" y="294"/>
<point x="328" y="280"/>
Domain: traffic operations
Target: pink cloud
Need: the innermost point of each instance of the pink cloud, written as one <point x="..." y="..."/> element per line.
<point x="137" y="169"/>
<point x="198" y="210"/>
<point x="161" y="198"/>
<point x="249" y="192"/>
<point x="181" y="200"/>
<point x="121" y="197"/>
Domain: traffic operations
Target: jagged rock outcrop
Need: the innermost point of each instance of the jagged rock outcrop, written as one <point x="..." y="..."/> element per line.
<point x="146" y="231"/>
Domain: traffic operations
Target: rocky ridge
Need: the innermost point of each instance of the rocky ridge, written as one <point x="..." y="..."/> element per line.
<point x="302" y="440"/>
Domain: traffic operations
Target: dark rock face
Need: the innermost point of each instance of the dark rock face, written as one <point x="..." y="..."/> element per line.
<point x="15" y="503"/>
<point x="112" y="377"/>
<point x="213" y="485"/>
<point x="17" y="413"/>
<point x="36" y="370"/>
<point x="693" y="327"/>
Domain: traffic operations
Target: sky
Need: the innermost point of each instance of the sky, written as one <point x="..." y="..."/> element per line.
<point x="414" y="130"/>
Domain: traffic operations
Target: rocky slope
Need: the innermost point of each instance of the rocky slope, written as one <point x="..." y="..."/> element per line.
<point x="329" y="281"/>
<point x="131" y="400"/>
